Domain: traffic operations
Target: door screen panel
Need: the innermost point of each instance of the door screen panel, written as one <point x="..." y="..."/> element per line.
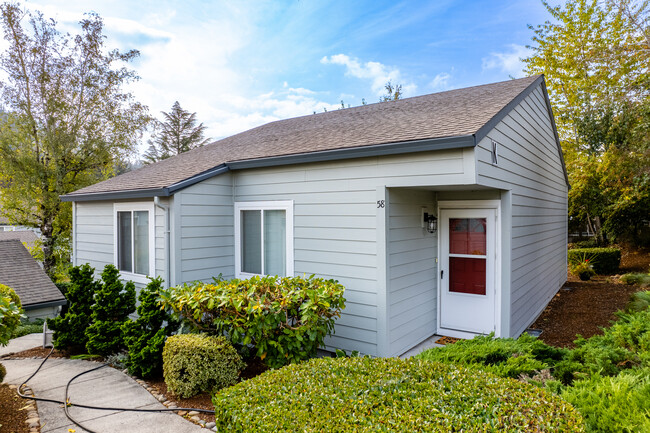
<point x="467" y="275"/>
<point x="467" y="237"/>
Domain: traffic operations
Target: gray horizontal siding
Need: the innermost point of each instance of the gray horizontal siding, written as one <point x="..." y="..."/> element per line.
<point x="206" y="235"/>
<point x="335" y="225"/>
<point x="94" y="234"/>
<point x="411" y="275"/>
<point x="530" y="166"/>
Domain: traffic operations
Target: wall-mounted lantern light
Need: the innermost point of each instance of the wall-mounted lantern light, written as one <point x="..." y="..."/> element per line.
<point x="430" y="222"/>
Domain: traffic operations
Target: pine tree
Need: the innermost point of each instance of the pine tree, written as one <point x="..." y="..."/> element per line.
<point x="69" y="329"/>
<point x="113" y="304"/>
<point x="145" y="337"/>
<point x="178" y="133"/>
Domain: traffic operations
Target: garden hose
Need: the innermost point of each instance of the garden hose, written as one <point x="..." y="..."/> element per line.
<point x="66" y="403"/>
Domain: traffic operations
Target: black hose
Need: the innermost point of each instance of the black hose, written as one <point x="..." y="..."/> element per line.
<point x="66" y="403"/>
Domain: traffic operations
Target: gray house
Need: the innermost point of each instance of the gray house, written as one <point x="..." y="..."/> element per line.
<point x="440" y="214"/>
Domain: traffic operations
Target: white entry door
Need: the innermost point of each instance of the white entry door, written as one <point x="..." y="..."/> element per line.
<point x="467" y="271"/>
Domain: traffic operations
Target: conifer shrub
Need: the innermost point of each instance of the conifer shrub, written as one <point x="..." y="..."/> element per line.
<point x="69" y="328"/>
<point x="145" y="337"/>
<point x="285" y="319"/>
<point x="3" y="372"/>
<point x="114" y="302"/>
<point x="605" y="261"/>
<point x="505" y="357"/>
<point x="10" y="313"/>
<point x="362" y="394"/>
<point x="193" y="363"/>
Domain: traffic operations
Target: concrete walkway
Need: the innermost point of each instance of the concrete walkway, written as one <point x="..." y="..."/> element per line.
<point x="19" y="344"/>
<point x="106" y="387"/>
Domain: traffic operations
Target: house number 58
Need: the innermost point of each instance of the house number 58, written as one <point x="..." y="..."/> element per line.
<point x="381" y="203"/>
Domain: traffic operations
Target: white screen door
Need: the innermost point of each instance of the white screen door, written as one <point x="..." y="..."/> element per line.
<point x="467" y="270"/>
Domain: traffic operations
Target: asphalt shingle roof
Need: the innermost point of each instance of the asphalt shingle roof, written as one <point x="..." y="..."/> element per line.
<point x="21" y="272"/>
<point x="446" y="114"/>
<point x="25" y="236"/>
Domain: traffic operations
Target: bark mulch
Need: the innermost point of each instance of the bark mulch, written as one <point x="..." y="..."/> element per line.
<point x="584" y="307"/>
<point x="12" y="414"/>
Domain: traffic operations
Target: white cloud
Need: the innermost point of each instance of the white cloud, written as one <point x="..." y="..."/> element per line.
<point x="508" y="61"/>
<point x="440" y="82"/>
<point x="378" y="73"/>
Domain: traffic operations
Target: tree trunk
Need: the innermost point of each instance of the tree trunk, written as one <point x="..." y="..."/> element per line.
<point x="49" y="261"/>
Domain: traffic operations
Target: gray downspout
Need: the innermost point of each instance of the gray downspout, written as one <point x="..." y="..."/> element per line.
<point x="165" y="208"/>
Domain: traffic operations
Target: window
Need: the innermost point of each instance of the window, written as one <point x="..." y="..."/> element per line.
<point x="134" y="239"/>
<point x="264" y="238"/>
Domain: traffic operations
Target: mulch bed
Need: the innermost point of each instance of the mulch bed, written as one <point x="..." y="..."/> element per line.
<point x="584" y="307"/>
<point x="12" y="415"/>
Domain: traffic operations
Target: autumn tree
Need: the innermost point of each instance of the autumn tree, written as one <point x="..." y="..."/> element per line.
<point x="66" y="119"/>
<point x="177" y="133"/>
<point x="595" y="57"/>
<point x="393" y="92"/>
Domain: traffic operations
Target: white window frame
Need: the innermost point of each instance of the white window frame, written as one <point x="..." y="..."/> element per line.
<point x="285" y="205"/>
<point x="130" y="207"/>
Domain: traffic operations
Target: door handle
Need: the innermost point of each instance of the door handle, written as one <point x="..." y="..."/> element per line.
<point x="442" y="272"/>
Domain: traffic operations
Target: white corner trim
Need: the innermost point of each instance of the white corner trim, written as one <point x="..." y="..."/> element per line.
<point x="287" y="206"/>
<point x="137" y="206"/>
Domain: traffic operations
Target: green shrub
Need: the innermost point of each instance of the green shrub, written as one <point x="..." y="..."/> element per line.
<point x="613" y="404"/>
<point x="636" y="278"/>
<point x="505" y="357"/>
<point x="26" y="327"/>
<point x="589" y="243"/>
<point x="640" y="301"/>
<point x="3" y="372"/>
<point x="113" y="304"/>
<point x="604" y="260"/>
<point x="193" y="363"/>
<point x="145" y="337"/>
<point x="69" y="328"/>
<point x="10" y="313"/>
<point x="388" y="394"/>
<point x="286" y="319"/>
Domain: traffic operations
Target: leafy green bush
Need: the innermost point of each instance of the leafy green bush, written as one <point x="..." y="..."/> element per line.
<point x="604" y="260"/>
<point x="3" y="373"/>
<point x="193" y="363"/>
<point x="113" y="304"/>
<point x="613" y="404"/>
<point x="145" y="337"/>
<point x="69" y="328"/>
<point x="505" y="357"/>
<point x="10" y="313"/>
<point x="388" y="394"/>
<point x="589" y="243"/>
<point x="26" y="327"/>
<point x="286" y="319"/>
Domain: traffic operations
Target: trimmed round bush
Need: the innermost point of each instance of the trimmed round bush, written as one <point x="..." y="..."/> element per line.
<point x="3" y="373"/>
<point x="388" y="394"/>
<point x="605" y="261"/>
<point x="193" y="363"/>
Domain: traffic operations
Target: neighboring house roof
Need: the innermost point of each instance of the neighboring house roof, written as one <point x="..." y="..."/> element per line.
<point x="19" y="270"/>
<point x="25" y="236"/>
<point x="451" y="119"/>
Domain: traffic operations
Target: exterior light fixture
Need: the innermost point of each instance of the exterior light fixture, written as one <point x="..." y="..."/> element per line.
<point x="430" y="222"/>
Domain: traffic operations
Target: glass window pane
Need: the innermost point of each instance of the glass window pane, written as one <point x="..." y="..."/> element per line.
<point x="275" y="240"/>
<point x="141" y="241"/>
<point x="467" y="275"/>
<point x="124" y="258"/>
<point x="467" y="236"/>
<point x="251" y="241"/>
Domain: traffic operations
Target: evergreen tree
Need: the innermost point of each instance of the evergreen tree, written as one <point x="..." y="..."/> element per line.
<point x="178" y="133"/>
<point x="69" y="329"/>
<point x="145" y="337"/>
<point x="113" y="304"/>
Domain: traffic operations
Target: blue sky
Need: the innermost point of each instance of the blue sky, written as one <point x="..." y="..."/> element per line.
<point x="239" y="64"/>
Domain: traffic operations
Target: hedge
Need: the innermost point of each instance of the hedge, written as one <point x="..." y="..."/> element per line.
<point x="388" y="394"/>
<point x="605" y="261"/>
<point x="193" y="363"/>
<point x="284" y="319"/>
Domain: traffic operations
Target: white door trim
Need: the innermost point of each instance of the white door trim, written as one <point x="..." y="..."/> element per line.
<point x="475" y="204"/>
